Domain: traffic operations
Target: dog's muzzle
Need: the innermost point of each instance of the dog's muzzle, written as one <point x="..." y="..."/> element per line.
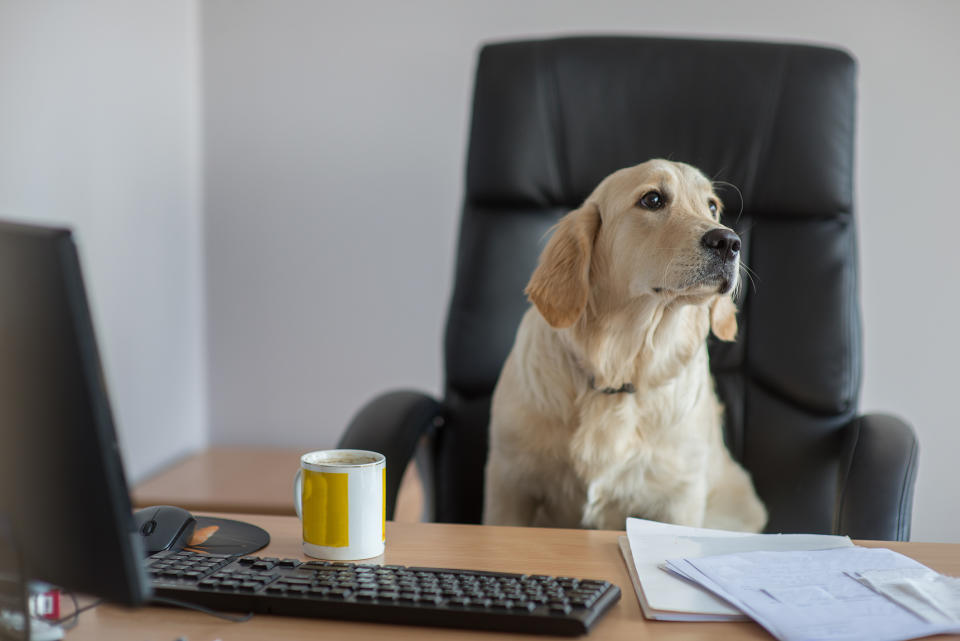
<point x="723" y="247"/>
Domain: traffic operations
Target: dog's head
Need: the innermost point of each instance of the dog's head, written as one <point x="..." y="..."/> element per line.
<point x="652" y="230"/>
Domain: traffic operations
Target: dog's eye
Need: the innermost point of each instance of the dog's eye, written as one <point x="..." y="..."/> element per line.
<point x="713" y="207"/>
<point x="651" y="200"/>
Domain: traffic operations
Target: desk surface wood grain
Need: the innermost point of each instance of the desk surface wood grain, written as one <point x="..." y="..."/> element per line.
<point x="579" y="553"/>
<point x="248" y="480"/>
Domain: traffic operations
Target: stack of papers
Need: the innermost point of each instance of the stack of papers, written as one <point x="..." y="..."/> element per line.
<point x="798" y="587"/>
<point x="817" y="595"/>
<point x="667" y="597"/>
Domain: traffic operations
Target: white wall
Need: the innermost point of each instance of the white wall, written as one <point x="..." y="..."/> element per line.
<point x="335" y="137"/>
<point x="98" y="131"/>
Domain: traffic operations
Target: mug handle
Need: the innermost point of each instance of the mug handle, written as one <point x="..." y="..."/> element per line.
<point x="298" y="493"/>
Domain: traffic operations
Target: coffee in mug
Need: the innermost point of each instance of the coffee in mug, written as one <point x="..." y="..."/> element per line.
<point x="340" y="496"/>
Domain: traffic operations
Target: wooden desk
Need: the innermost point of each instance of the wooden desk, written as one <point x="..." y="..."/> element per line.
<point x="247" y="480"/>
<point x="580" y="553"/>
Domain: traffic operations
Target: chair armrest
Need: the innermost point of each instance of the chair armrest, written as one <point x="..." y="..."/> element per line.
<point x="392" y="424"/>
<point x="876" y="497"/>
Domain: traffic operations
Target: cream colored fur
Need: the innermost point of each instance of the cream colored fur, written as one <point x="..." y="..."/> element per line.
<point x="622" y="294"/>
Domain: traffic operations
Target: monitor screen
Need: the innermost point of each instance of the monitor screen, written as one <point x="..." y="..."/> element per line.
<point x="62" y="485"/>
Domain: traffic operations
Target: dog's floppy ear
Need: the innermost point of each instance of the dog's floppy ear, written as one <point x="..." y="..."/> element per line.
<point x="723" y="318"/>
<point x="561" y="282"/>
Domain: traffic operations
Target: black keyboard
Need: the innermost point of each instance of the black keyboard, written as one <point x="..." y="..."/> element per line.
<point x="383" y="593"/>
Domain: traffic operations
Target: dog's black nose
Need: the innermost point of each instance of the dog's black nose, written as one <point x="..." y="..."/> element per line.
<point x="723" y="241"/>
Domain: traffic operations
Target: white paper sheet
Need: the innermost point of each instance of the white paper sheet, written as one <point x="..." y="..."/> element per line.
<point x="664" y="596"/>
<point x="811" y="595"/>
<point x="929" y="594"/>
<point x="711" y="609"/>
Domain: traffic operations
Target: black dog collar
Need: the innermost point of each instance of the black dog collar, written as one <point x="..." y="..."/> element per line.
<point x="626" y="388"/>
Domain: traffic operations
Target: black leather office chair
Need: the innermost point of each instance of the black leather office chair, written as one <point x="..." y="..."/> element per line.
<point x="551" y="118"/>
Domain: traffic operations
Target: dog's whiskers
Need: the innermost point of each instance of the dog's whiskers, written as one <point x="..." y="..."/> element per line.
<point x="750" y="274"/>
<point x="667" y="266"/>
<point x="739" y="193"/>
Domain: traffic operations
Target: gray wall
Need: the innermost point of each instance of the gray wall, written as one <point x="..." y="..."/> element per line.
<point x="265" y="193"/>
<point x="99" y="122"/>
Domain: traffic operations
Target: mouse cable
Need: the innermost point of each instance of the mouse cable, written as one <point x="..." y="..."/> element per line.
<point x="200" y="608"/>
<point x="70" y="621"/>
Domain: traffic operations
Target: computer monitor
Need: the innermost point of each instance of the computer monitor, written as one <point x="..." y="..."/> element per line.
<point x="62" y="484"/>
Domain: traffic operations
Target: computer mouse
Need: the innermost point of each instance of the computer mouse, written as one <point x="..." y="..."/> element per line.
<point x="164" y="527"/>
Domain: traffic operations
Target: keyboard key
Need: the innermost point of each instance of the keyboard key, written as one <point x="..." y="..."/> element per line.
<point x="561" y="608"/>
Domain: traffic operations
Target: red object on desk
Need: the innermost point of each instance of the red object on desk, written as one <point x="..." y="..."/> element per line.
<point x="45" y="605"/>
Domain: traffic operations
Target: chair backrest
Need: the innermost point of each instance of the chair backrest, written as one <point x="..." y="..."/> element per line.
<point x="551" y="118"/>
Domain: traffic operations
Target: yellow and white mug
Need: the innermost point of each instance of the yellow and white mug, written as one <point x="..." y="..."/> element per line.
<point x="340" y="496"/>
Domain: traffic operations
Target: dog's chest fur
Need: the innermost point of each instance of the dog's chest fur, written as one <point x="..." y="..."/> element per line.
<point x="643" y="453"/>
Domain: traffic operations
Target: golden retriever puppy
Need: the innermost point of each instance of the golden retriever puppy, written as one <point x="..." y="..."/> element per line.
<point x="605" y="407"/>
